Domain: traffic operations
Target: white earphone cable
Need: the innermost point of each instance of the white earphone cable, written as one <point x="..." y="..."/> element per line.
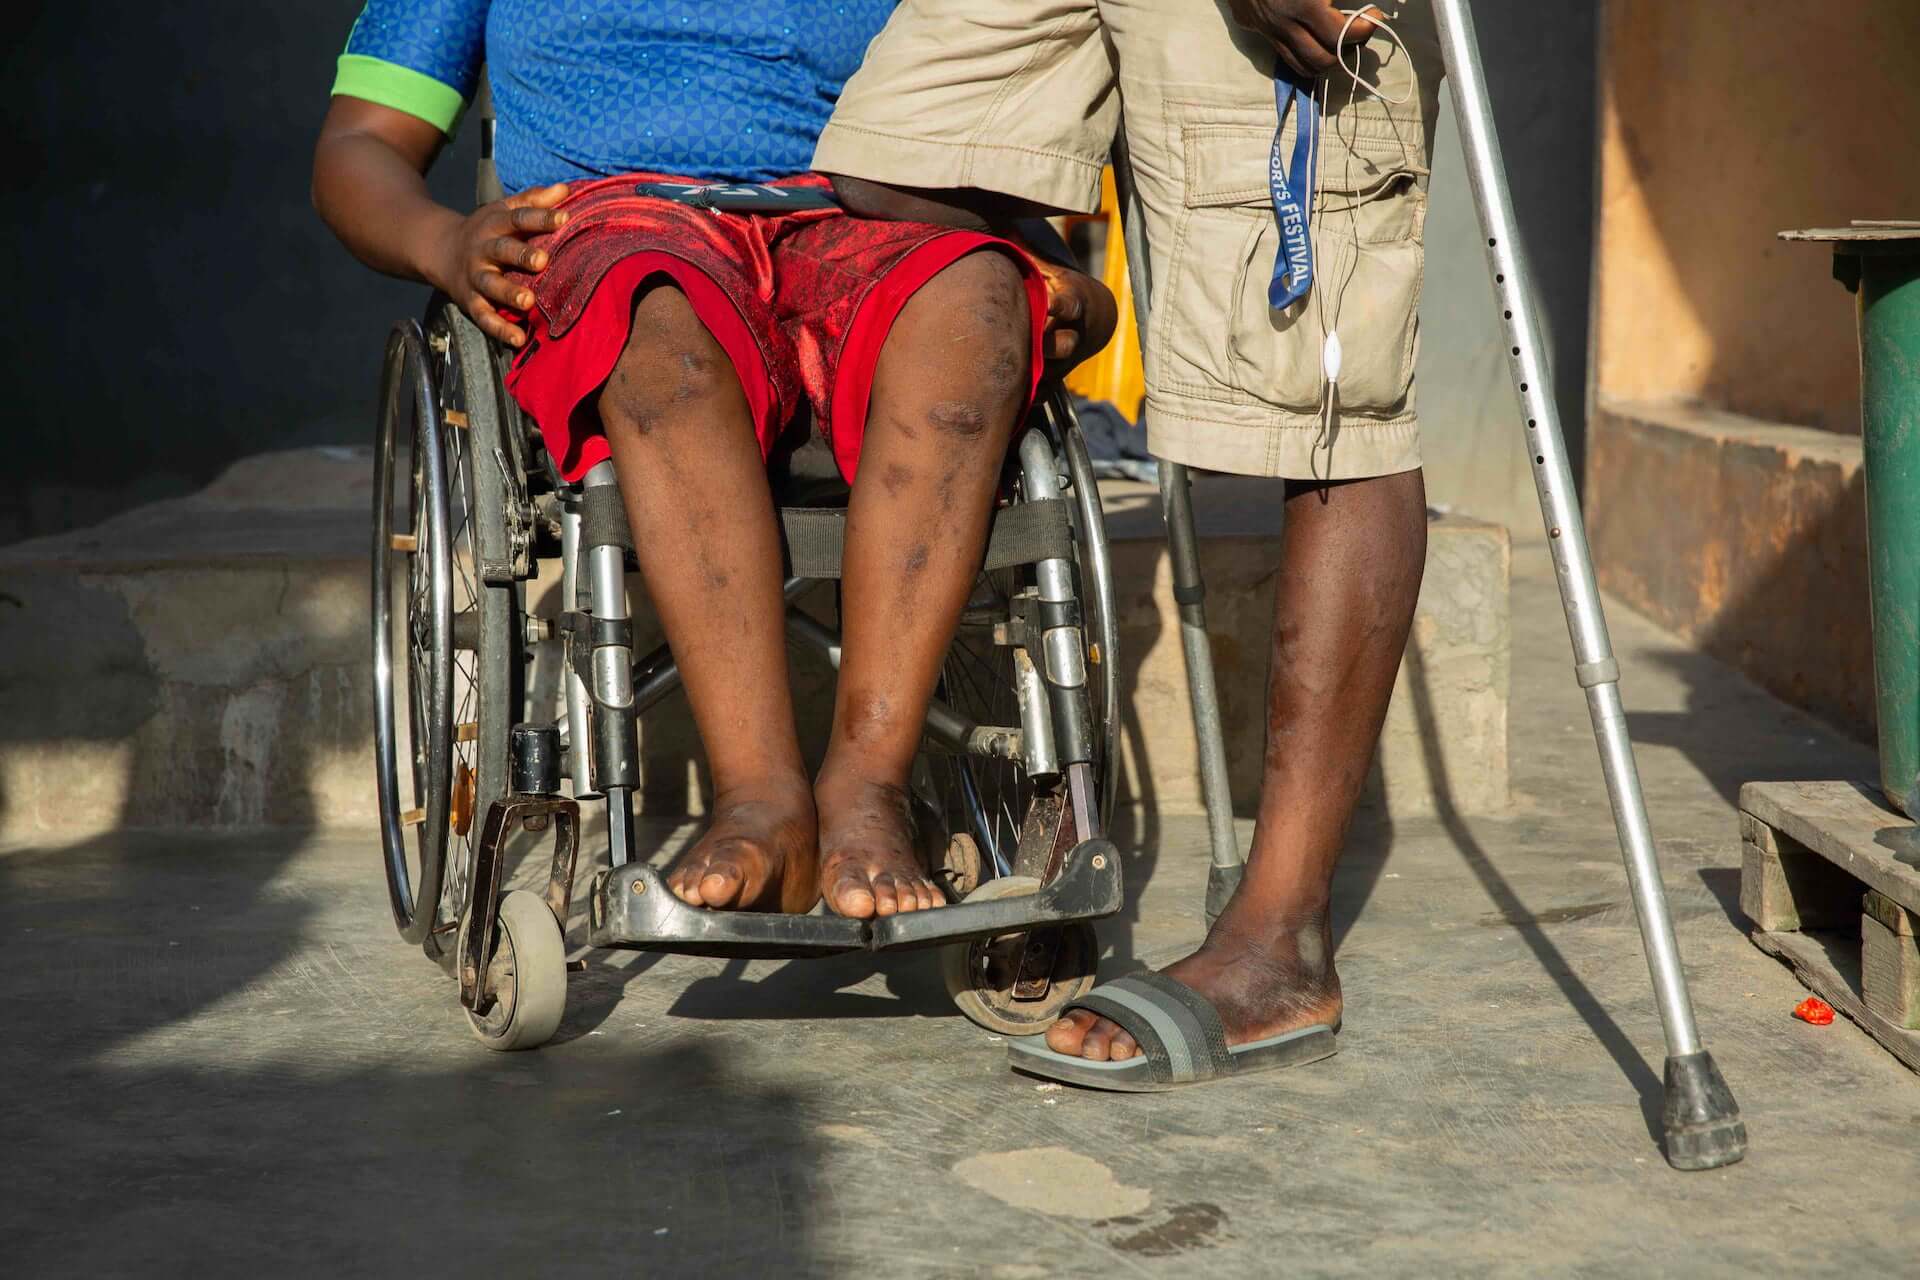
<point x="1331" y="354"/>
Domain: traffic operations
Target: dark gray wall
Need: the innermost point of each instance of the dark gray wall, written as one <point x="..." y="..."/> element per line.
<point x="177" y="303"/>
<point x="1540" y="67"/>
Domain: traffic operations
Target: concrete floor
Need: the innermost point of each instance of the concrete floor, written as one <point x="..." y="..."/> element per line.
<point x="222" y="1062"/>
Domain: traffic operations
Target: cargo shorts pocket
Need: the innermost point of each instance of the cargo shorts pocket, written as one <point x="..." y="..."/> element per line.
<point x="1222" y="341"/>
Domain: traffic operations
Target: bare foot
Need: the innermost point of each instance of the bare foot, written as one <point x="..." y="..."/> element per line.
<point x="868" y="863"/>
<point x="1277" y="980"/>
<point x="760" y="853"/>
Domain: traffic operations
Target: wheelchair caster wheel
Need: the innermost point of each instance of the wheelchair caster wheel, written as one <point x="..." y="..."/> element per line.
<point x="982" y="973"/>
<point x="529" y="977"/>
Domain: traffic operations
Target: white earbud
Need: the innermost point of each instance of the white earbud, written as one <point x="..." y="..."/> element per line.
<point x="1330" y="356"/>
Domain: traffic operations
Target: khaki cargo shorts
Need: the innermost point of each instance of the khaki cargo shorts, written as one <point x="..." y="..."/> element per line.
<point x="1024" y="97"/>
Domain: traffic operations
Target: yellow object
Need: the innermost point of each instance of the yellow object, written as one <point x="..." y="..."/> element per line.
<point x="1114" y="374"/>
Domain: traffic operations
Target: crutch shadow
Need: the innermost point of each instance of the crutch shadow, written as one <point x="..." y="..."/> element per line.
<point x="1612" y="1038"/>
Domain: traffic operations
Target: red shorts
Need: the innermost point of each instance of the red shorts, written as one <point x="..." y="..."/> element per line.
<point x="801" y="303"/>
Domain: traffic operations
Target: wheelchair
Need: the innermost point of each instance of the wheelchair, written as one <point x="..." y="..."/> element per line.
<point x="1011" y="792"/>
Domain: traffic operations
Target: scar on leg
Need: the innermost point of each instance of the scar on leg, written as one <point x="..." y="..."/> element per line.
<point x="698" y="376"/>
<point x="1311" y="950"/>
<point x="960" y="418"/>
<point x="868" y="714"/>
<point x="949" y="481"/>
<point x="896" y="478"/>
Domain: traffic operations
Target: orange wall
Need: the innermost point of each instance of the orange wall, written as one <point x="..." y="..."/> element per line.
<point x="1723" y="122"/>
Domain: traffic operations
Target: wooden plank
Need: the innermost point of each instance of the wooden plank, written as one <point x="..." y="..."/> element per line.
<point x="1758" y="833"/>
<point x="1847" y="824"/>
<point x="1828" y="965"/>
<point x="1889" y="971"/>
<point x="1862" y="233"/>
<point x="1896" y="918"/>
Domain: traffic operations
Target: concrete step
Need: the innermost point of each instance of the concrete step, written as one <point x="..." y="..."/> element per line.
<point x="205" y="662"/>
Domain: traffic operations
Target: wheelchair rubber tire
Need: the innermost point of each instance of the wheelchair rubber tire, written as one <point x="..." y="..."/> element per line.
<point x="409" y="403"/>
<point x="1099" y="613"/>
<point x="489" y="685"/>
<point x="977" y="972"/>
<point x="529" y="967"/>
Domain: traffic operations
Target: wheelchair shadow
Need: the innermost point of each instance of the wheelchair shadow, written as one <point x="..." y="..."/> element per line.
<point x="520" y="1164"/>
<point x="824" y="988"/>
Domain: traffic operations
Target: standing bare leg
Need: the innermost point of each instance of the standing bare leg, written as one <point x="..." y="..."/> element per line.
<point x="696" y="494"/>
<point x="1349" y="577"/>
<point x="950" y="383"/>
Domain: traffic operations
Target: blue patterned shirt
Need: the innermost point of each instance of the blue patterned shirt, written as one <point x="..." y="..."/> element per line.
<point x="720" y="90"/>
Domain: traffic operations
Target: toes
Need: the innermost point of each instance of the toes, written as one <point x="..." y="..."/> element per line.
<point x="1122" y="1046"/>
<point x="886" y="895"/>
<point x="685" y="884"/>
<point x="910" y="893"/>
<point x="851" y="896"/>
<point x="1066" y="1035"/>
<point x="1098" y="1045"/>
<point x="721" y="885"/>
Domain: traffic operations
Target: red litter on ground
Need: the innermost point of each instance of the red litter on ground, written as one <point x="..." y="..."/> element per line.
<point x="1815" y="1010"/>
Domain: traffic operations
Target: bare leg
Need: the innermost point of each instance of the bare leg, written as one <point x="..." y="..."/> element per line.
<point x="950" y="382"/>
<point x="1349" y="577"/>
<point x="695" y="488"/>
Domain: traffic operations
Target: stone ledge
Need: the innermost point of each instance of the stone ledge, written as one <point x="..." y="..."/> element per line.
<point x="204" y="663"/>
<point x="1746" y="538"/>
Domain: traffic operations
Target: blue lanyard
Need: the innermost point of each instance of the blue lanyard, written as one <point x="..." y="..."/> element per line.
<point x="1291" y="188"/>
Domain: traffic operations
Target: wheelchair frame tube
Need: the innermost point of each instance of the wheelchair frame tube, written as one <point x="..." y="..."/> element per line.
<point x="609" y="650"/>
<point x="1036" y="720"/>
<point x="579" y="740"/>
<point x="1061" y="651"/>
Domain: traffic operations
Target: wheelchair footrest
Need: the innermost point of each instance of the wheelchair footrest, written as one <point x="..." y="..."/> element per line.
<point x="632" y="908"/>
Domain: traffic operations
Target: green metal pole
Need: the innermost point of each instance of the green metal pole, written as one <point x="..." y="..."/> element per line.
<point x="1889" y="312"/>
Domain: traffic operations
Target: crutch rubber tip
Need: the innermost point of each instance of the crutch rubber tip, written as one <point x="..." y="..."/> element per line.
<point x="1221" y="882"/>
<point x="1704" y="1128"/>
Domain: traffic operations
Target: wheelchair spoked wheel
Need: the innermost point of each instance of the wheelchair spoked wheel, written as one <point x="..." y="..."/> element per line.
<point x="982" y="802"/>
<point x="412" y="633"/>
<point x="445" y="642"/>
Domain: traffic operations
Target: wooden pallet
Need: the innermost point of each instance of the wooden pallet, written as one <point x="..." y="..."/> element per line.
<point x="1830" y="877"/>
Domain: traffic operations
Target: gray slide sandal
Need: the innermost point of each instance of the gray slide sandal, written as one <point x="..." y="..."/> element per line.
<point x="1180" y="1038"/>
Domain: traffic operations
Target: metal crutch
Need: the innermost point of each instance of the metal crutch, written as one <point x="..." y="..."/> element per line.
<point x="1189" y="592"/>
<point x="1703" y="1125"/>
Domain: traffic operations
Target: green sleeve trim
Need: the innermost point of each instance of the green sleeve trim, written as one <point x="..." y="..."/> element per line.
<point x="402" y="88"/>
